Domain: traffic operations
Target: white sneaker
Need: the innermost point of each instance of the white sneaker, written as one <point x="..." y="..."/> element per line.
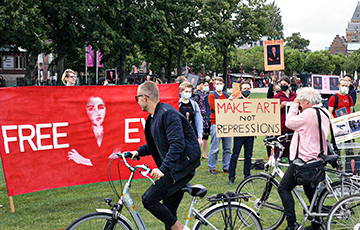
<point x="186" y="228"/>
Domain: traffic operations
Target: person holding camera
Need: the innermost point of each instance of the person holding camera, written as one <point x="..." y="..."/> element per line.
<point x="305" y="144"/>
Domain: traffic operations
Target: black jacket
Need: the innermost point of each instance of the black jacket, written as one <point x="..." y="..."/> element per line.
<point x="169" y="133"/>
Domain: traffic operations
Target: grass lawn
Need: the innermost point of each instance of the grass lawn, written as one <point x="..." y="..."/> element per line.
<point x="56" y="208"/>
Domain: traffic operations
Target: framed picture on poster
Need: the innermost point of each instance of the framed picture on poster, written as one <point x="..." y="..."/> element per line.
<point x="274" y="55"/>
<point x="325" y="84"/>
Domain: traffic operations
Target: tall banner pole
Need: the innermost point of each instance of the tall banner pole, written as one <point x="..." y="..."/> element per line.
<point x="12" y="207"/>
<point x="86" y="63"/>
<point x="97" y="66"/>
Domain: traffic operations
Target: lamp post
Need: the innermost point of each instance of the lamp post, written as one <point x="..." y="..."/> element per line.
<point x="254" y="77"/>
<point x="190" y="67"/>
<point x="203" y="71"/>
<point x="241" y="72"/>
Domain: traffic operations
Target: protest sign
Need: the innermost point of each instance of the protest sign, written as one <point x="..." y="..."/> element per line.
<point x="247" y="117"/>
<point x="346" y="127"/>
<point x="274" y="55"/>
<point x="55" y="137"/>
<point x="325" y="84"/>
<point x="236" y="90"/>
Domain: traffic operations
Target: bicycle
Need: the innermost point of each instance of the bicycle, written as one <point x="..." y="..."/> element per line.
<point x="345" y="214"/>
<point x="264" y="201"/>
<point x="222" y="211"/>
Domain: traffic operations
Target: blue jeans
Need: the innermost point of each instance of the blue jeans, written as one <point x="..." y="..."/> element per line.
<point x="248" y="143"/>
<point x="214" y="149"/>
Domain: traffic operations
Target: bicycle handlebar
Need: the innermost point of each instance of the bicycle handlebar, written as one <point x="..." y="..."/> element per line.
<point x="271" y="140"/>
<point x="145" y="168"/>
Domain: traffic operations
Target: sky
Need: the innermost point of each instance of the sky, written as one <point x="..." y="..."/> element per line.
<point x="317" y="20"/>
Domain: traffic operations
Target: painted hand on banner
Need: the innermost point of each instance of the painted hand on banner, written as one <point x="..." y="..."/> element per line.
<point x="75" y="156"/>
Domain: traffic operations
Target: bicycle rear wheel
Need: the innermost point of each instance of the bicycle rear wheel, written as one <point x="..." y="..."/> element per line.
<point x="270" y="209"/>
<point x="220" y="217"/>
<point x="99" y="220"/>
<point x="328" y="199"/>
<point x="345" y="214"/>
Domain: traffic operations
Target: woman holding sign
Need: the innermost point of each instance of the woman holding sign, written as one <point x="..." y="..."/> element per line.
<point x="285" y="96"/>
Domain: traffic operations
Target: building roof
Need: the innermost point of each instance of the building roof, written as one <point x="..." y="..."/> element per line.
<point x="353" y="46"/>
<point x="356" y="15"/>
<point x="353" y="26"/>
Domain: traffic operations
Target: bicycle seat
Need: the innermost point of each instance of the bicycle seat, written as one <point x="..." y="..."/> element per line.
<point x="329" y="158"/>
<point x="270" y="139"/>
<point x="195" y="190"/>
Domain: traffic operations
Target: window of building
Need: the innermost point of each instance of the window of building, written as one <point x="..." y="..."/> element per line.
<point x="337" y="51"/>
<point x="20" y="62"/>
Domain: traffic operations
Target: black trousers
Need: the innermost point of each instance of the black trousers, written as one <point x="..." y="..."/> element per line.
<point x="287" y="183"/>
<point x="170" y="193"/>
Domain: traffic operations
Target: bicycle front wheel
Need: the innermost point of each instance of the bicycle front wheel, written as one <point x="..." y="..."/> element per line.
<point x="328" y="198"/>
<point x="265" y="200"/>
<point x="345" y="214"/>
<point x="221" y="217"/>
<point x="100" y="220"/>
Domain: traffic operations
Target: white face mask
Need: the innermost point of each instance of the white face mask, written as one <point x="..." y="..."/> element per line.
<point x="343" y="89"/>
<point x="186" y="95"/>
<point x="219" y="88"/>
<point x="206" y="88"/>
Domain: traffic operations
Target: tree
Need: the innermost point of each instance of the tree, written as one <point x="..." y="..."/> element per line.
<point x="338" y="60"/>
<point x="22" y="25"/>
<point x="319" y="62"/>
<point x="275" y="25"/>
<point x="295" y="41"/>
<point x="231" y="22"/>
<point x="294" y="61"/>
<point x="352" y="62"/>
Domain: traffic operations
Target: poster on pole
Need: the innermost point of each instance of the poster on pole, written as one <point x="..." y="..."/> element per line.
<point x="346" y="127"/>
<point x="247" y="117"/>
<point x="274" y="55"/>
<point x="325" y="84"/>
<point x="236" y="90"/>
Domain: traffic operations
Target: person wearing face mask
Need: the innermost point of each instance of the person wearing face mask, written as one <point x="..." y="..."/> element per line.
<point x="285" y="96"/>
<point x="202" y="93"/>
<point x="352" y="92"/>
<point x="341" y="99"/>
<point x="247" y="142"/>
<point x="215" y="141"/>
<point x="191" y="110"/>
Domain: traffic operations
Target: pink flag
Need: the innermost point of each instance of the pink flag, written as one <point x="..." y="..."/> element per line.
<point x="90" y="56"/>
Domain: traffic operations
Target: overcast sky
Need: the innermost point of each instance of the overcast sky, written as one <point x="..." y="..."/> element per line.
<point x="317" y="20"/>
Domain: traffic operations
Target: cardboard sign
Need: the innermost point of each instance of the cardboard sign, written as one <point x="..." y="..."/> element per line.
<point x="346" y="127"/>
<point x="325" y="84"/>
<point x="274" y="55"/>
<point x="236" y="90"/>
<point x="247" y="117"/>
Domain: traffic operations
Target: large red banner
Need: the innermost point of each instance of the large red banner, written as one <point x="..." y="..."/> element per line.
<point x="54" y="137"/>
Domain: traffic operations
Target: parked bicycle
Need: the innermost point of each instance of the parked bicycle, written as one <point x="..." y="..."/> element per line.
<point x="345" y="214"/>
<point x="265" y="198"/>
<point x="222" y="211"/>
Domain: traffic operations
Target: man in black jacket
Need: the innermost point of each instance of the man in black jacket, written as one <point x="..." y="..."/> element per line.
<point x="173" y="144"/>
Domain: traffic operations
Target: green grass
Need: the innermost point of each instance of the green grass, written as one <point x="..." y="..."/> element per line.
<point x="56" y="208"/>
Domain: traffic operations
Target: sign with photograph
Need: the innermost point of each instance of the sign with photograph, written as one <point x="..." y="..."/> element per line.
<point x="110" y="75"/>
<point x="236" y="90"/>
<point x="274" y="55"/>
<point x="325" y="84"/>
<point x="247" y="117"/>
<point x="346" y="127"/>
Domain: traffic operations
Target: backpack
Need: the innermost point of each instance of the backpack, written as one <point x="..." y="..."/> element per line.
<point x="207" y="106"/>
<point x="337" y="101"/>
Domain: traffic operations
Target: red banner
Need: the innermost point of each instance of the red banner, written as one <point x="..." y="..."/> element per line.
<point x="55" y="137"/>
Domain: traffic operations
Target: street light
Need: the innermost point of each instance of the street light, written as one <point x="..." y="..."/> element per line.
<point x="190" y="67"/>
<point x="203" y="70"/>
<point x="229" y="77"/>
<point x="241" y="73"/>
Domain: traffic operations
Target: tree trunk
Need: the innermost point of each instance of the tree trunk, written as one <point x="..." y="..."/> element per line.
<point x="168" y="67"/>
<point x="30" y="68"/>
<point x="225" y="69"/>
<point x="60" y="70"/>
<point x="180" y="58"/>
<point x="121" y="77"/>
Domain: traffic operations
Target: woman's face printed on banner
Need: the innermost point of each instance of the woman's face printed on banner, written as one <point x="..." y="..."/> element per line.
<point x="96" y="110"/>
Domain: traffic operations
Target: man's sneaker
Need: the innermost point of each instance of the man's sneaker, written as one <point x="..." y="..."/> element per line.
<point x="295" y="227"/>
<point x="212" y="171"/>
<point x="231" y="181"/>
<point x="225" y="171"/>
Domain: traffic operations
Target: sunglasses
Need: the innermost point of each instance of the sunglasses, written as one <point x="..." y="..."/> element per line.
<point x="72" y="76"/>
<point x="137" y="97"/>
